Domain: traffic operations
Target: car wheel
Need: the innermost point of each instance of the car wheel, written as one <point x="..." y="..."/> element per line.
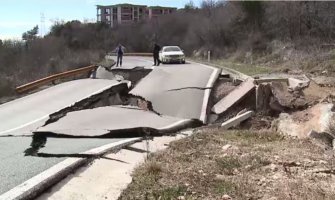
<point x="183" y="62"/>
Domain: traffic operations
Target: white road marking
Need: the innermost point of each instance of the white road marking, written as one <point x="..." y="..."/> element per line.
<point x="216" y="72"/>
<point x="47" y="116"/>
<point x="52" y="175"/>
<point x="24" y="125"/>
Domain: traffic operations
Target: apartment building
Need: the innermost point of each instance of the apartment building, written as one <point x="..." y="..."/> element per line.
<point x="156" y="11"/>
<point x="129" y="13"/>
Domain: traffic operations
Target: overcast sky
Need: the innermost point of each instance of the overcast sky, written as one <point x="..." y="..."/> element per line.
<point x="18" y="16"/>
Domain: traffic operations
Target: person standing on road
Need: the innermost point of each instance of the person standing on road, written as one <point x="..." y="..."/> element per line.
<point x="119" y="51"/>
<point x="157" y="48"/>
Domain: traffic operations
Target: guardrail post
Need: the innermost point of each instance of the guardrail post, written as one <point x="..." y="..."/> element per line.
<point x="209" y="56"/>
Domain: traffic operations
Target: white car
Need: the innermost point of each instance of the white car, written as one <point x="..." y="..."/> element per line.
<point x="172" y="54"/>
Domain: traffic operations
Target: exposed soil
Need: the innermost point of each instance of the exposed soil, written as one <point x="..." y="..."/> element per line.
<point x="238" y="164"/>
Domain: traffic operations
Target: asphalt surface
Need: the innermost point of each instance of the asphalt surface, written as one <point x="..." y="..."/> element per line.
<point x="22" y="116"/>
<point x="15" y="168"/>
<point x="103" y="120"/>
<point x="179" y="90"/>
<point x="130" y="62"/>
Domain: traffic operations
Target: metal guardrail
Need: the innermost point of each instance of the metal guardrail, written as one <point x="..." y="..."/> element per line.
<point x="43" y="81"/>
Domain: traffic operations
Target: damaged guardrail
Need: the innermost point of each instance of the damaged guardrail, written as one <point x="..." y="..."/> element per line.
<point x="40" y="82"/>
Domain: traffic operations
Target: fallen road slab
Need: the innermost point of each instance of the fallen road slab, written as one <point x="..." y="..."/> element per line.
<point x="24" y="177"/>
<point x="114" y="121"/>
<point x="24" y="115"/>
<point x="234" y="97"/>
<point x="179" y="90"/>
<point x="236" y="120"/>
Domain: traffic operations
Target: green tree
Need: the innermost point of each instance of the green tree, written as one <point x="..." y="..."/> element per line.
<point x="31" y="34"/>
<point x="190" y="5"/>
<point x="254" y="11"/>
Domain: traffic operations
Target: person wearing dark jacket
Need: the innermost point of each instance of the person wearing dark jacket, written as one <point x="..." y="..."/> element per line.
<point x="119" y="51"/>
<point x="157" y="48"/>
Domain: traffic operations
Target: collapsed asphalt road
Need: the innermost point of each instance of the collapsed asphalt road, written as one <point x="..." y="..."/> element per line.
<point x="166" y="91"/>
<point x="179" y="90"/>
<point x="114" y="121"/>
<point x="167" y="99"/>
<point x="24" y="115"/>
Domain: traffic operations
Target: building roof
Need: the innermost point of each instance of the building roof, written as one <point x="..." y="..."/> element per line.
<point x="122" y="4"/>
<point x="161" y="7"/>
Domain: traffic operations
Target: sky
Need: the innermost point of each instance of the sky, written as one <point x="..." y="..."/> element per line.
<point x="18" y="16"/>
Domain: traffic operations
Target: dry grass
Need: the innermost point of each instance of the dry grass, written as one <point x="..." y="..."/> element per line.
<point x="242" y="164"/>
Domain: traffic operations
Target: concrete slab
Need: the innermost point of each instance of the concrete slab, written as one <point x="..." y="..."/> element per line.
<point x="234" y="97"/>
<point x="179" y="90"/>
<point x="115" y="121"/>
<point x="236" y="120"/>
<point x="24" y="115"/>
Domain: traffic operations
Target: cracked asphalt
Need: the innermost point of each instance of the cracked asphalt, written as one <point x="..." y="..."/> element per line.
<point x="179" y="91"/>
<point x="15" y="168"/>
<point x="24" y="115"/>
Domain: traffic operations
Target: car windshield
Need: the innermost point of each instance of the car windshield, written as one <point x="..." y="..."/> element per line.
<point x="167" y="49"/>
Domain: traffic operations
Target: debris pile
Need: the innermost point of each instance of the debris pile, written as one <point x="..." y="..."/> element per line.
<point x="292" y="106"/>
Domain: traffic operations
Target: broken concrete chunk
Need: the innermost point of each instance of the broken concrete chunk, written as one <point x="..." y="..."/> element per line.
<point x="301" y="123"/>
<point x="236" y="120"/>
<point x="234" y="97"/>
<point x="103" y="73"/>
<point x="297" y="85"/>
<point x="286" y="99"/>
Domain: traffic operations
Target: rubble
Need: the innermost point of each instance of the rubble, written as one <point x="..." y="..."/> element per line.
<point x="287" y="100"/>
<point x="233" y="97"/>
<point x="236" y="120"/>
<point x="324" y="81"/>
<point x="299" y="124"/>
<point x="298" y="85"/>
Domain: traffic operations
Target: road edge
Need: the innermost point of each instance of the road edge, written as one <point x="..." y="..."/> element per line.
<point x="39" y="183"/>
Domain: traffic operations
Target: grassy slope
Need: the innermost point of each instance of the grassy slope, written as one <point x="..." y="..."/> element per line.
<point x="259" y="165"/>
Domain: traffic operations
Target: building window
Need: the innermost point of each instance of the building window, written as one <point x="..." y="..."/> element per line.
<point x="126" y="10"/>
<point x="107" y="11"/>
<point x="126" y="17"/>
